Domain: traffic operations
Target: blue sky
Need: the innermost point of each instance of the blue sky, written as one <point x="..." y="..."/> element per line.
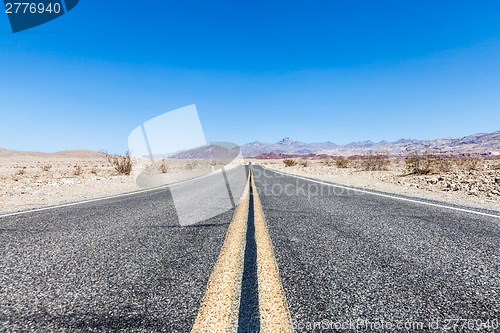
<point x="341" y="71"/>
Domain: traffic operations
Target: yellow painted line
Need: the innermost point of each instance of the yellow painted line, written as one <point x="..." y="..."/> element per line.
<point x="273" y="307"/>
<point x="220" y="305"/>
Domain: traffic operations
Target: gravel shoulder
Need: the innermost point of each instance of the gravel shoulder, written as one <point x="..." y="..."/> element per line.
<point x="29" y="184"/>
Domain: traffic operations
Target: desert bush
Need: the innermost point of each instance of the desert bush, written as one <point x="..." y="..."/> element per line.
<point x="467" y="163"/>
<point x="21" y="171"/>
<point x="473" y="164"/>
<point x="419" y="163"/>
<point x="328" y="162"/>
<point x="303" y="163"/>
<point x="121" y="163"/>
<point x="375" y="161"/>
<point x="78" y="171"/>
<point x="163" y="167"/>
<point x="46" y="167"/>
<point x="443" y="164"/>
<point x="342" y="163"/>
<point x="93" y="171"/>
<point x="460" y="163"/>
<point x="289" y="162"/>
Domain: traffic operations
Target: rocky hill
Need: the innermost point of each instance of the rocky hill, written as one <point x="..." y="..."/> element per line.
<point x="213" y="151"/>
<point x="286" y="146"/>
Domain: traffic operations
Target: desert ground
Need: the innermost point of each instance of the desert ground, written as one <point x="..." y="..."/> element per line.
<point x="479" y="187"/>
<point x="29" y="184"/>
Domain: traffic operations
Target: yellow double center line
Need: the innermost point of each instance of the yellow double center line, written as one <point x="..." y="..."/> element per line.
<point x="220" y="306"/>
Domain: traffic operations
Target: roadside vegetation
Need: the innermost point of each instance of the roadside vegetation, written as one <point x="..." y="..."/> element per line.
<point x="415" y="162"/>
<point x="375" y="161"/>
<point x="78" y="170"/>
<point x="424" y="162"/>
<point x="419" y="163"/>
<point x="163" y="167"/>
<point x="46" y="167"/>
<point x="21" y="171"/>
<point x="121" y="163"/>
<point x="342" y="163"/>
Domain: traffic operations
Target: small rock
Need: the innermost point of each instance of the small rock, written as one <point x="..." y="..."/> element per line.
<point x="432" y="181"/>
<point x="473" y="191"/>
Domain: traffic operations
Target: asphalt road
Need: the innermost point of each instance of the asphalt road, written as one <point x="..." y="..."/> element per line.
<point x="348" y="256"/>
<point x="119" y="264"/>
<point x="127" y="264"/>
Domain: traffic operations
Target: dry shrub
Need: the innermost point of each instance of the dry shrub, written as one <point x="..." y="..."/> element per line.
<point x="289" y="162"/>
<point x="474" y="164"/>
<point x="467" y="163"/>
<point x="460" y="163"/>
<point x="93" y="171"/>
<point x="163" y="167"/>
<point x="443" y="164"/>
<point x="303" y="163"/>
<point x="121" y="163"/>
<point x="46" y="168"/>
<point x="419" y="163"/>
<point x="328" y="162"/>
<point x="78" y="171"/>
<point x="21" y="171"/>
<point x="375" y="161"/>
<point x="342" y="163"/>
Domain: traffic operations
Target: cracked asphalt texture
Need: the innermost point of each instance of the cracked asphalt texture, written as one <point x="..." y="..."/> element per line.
<point x="345" y="256"/>
<point x="117" y="264"/>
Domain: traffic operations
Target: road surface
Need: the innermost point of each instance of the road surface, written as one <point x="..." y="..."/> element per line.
<point x="122" y="263"/>
<point x="347" y="255"/>
<point x="342" y="257"/>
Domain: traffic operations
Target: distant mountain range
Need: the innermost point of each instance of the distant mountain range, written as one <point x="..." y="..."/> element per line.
<point x="218" y="151"/>
<point x="14" y="155"/>
<point x="482" y="143"/>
